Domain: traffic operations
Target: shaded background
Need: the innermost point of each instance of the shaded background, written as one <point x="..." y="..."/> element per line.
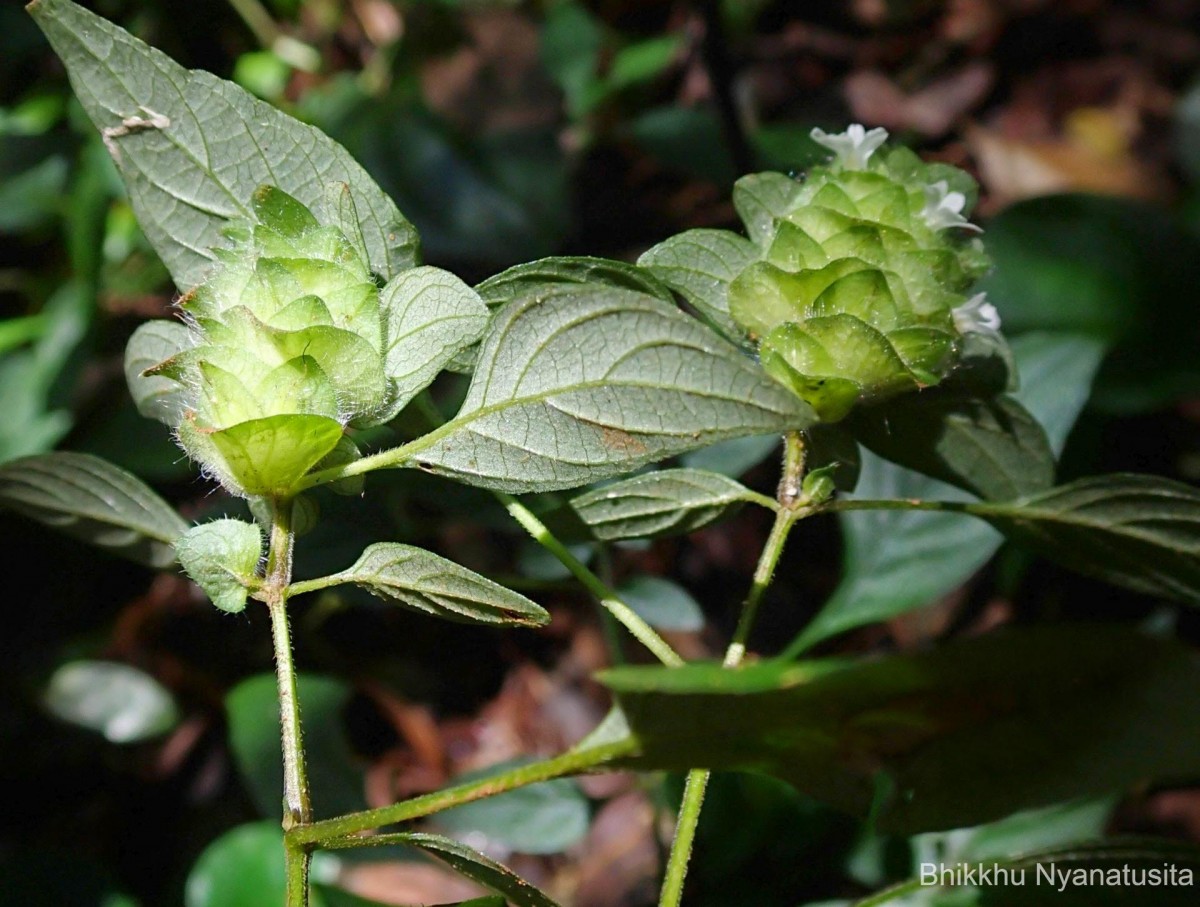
<point x="507" y="131"/>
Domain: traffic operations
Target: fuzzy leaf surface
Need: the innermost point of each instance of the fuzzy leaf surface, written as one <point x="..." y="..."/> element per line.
<point x="93" y="500"/>
<point x="993" y="448"/>
<point x="666" y="502"/>
<point x="193" y="148"/>
<point x="426" y="582"/>
<point x="221" y="557"/>
<point x="586" y="382"/>
<point x="429" y="316"/>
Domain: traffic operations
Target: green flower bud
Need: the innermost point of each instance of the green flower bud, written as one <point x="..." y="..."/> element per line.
<point x="285" y="348"/>
<point x="860" y="292"/>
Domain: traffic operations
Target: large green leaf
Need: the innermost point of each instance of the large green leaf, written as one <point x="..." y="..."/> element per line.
<point x="897" y="560"/>
<point x="666" y="502"/>
<point x="583" y="382"/>
<point x="993" y="448"/>
<point x="965" y="734"/>
<point x="426" y="582"/>
<point x="1141" y="532"/>
<point x="91" y="499"/>
<point x="192" y="148"/>
<point x="474" y="865"/>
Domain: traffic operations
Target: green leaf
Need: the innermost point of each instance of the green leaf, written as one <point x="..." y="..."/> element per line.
<point x="762" y="200"/>
<point x="155" y="342"/>
<point x="474" y="865"/>
<point x="662" y="603"/>
<point x="193" y="148"/>
<point x="431" y="584"/>
<point x="968" y="733"/>
<point x="520" y="281"/>
<point x="252" y="708"/>
<point x="93" y="500"/>
<point x="1140" y="532"/>
<point x="580" y="383"/>
<point x="993" y="448"/>
<point x="665" y="502"/>
<point x="268" y="456"/>
<point x="122" y="703"/>
<point x="429" y="317"/>
<point x="898" y="560"/>
<point x="701" y="264"/>
<point x="222" y="558"/>
<point x="539" y="819"/>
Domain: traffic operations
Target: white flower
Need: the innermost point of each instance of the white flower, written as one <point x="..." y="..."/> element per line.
<point x="853" y="147"/>
<point x="943" y="208"/>
<point x="977" y="315"/>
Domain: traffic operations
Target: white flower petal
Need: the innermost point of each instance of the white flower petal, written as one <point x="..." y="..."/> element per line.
<point x="977" y="315"/>
<point x="853" y="147"/>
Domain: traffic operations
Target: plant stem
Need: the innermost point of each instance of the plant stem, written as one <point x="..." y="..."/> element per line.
<point x="574" y="762"/>
<point x="642" y="631"/>
<point x="297" y="808"/>
<point x="697" y="779"/>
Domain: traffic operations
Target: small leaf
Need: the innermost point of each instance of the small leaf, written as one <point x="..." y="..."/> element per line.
<point x="426" y="582"/>
<point x="1032" y="705"/>
<point x="662" y="604"/>
<point x="252" y="710"/>
<point x="92" y="500"/>
<point x="666" y="502"/>
<point x="122" y="703"/>
<point x="542" y="818"/>
<point x="193" y="148"/>
<point x="222" y="558"/>
<point x="153" y="343"/>
<point x="762" y="200"/>
<point x="475" y="866"/>
<point x="580" y="383"/>
<point x="268" y="456"/>
<point x="429" y="317"/>
<point x="1140" y="532"/>
<point x="701" y="264"/>
<point x="993" y="448"/>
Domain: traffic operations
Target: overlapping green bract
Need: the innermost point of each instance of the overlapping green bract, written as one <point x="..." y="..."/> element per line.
<point x="854" y="285"/>
<point x="287" y="344"/>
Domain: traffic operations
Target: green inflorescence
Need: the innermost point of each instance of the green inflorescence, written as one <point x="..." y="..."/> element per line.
<point x="285" y="351"/>
<point x="860" y="293"/>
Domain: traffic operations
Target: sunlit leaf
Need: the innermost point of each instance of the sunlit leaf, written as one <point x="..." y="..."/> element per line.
<point x="193" y="148"/>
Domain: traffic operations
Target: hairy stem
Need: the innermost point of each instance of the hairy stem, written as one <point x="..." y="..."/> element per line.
<point x="697" y="779"/>
<point x="642" y="631"/>
<point x="329" y="831"/>
<point x="297" y="808"/>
